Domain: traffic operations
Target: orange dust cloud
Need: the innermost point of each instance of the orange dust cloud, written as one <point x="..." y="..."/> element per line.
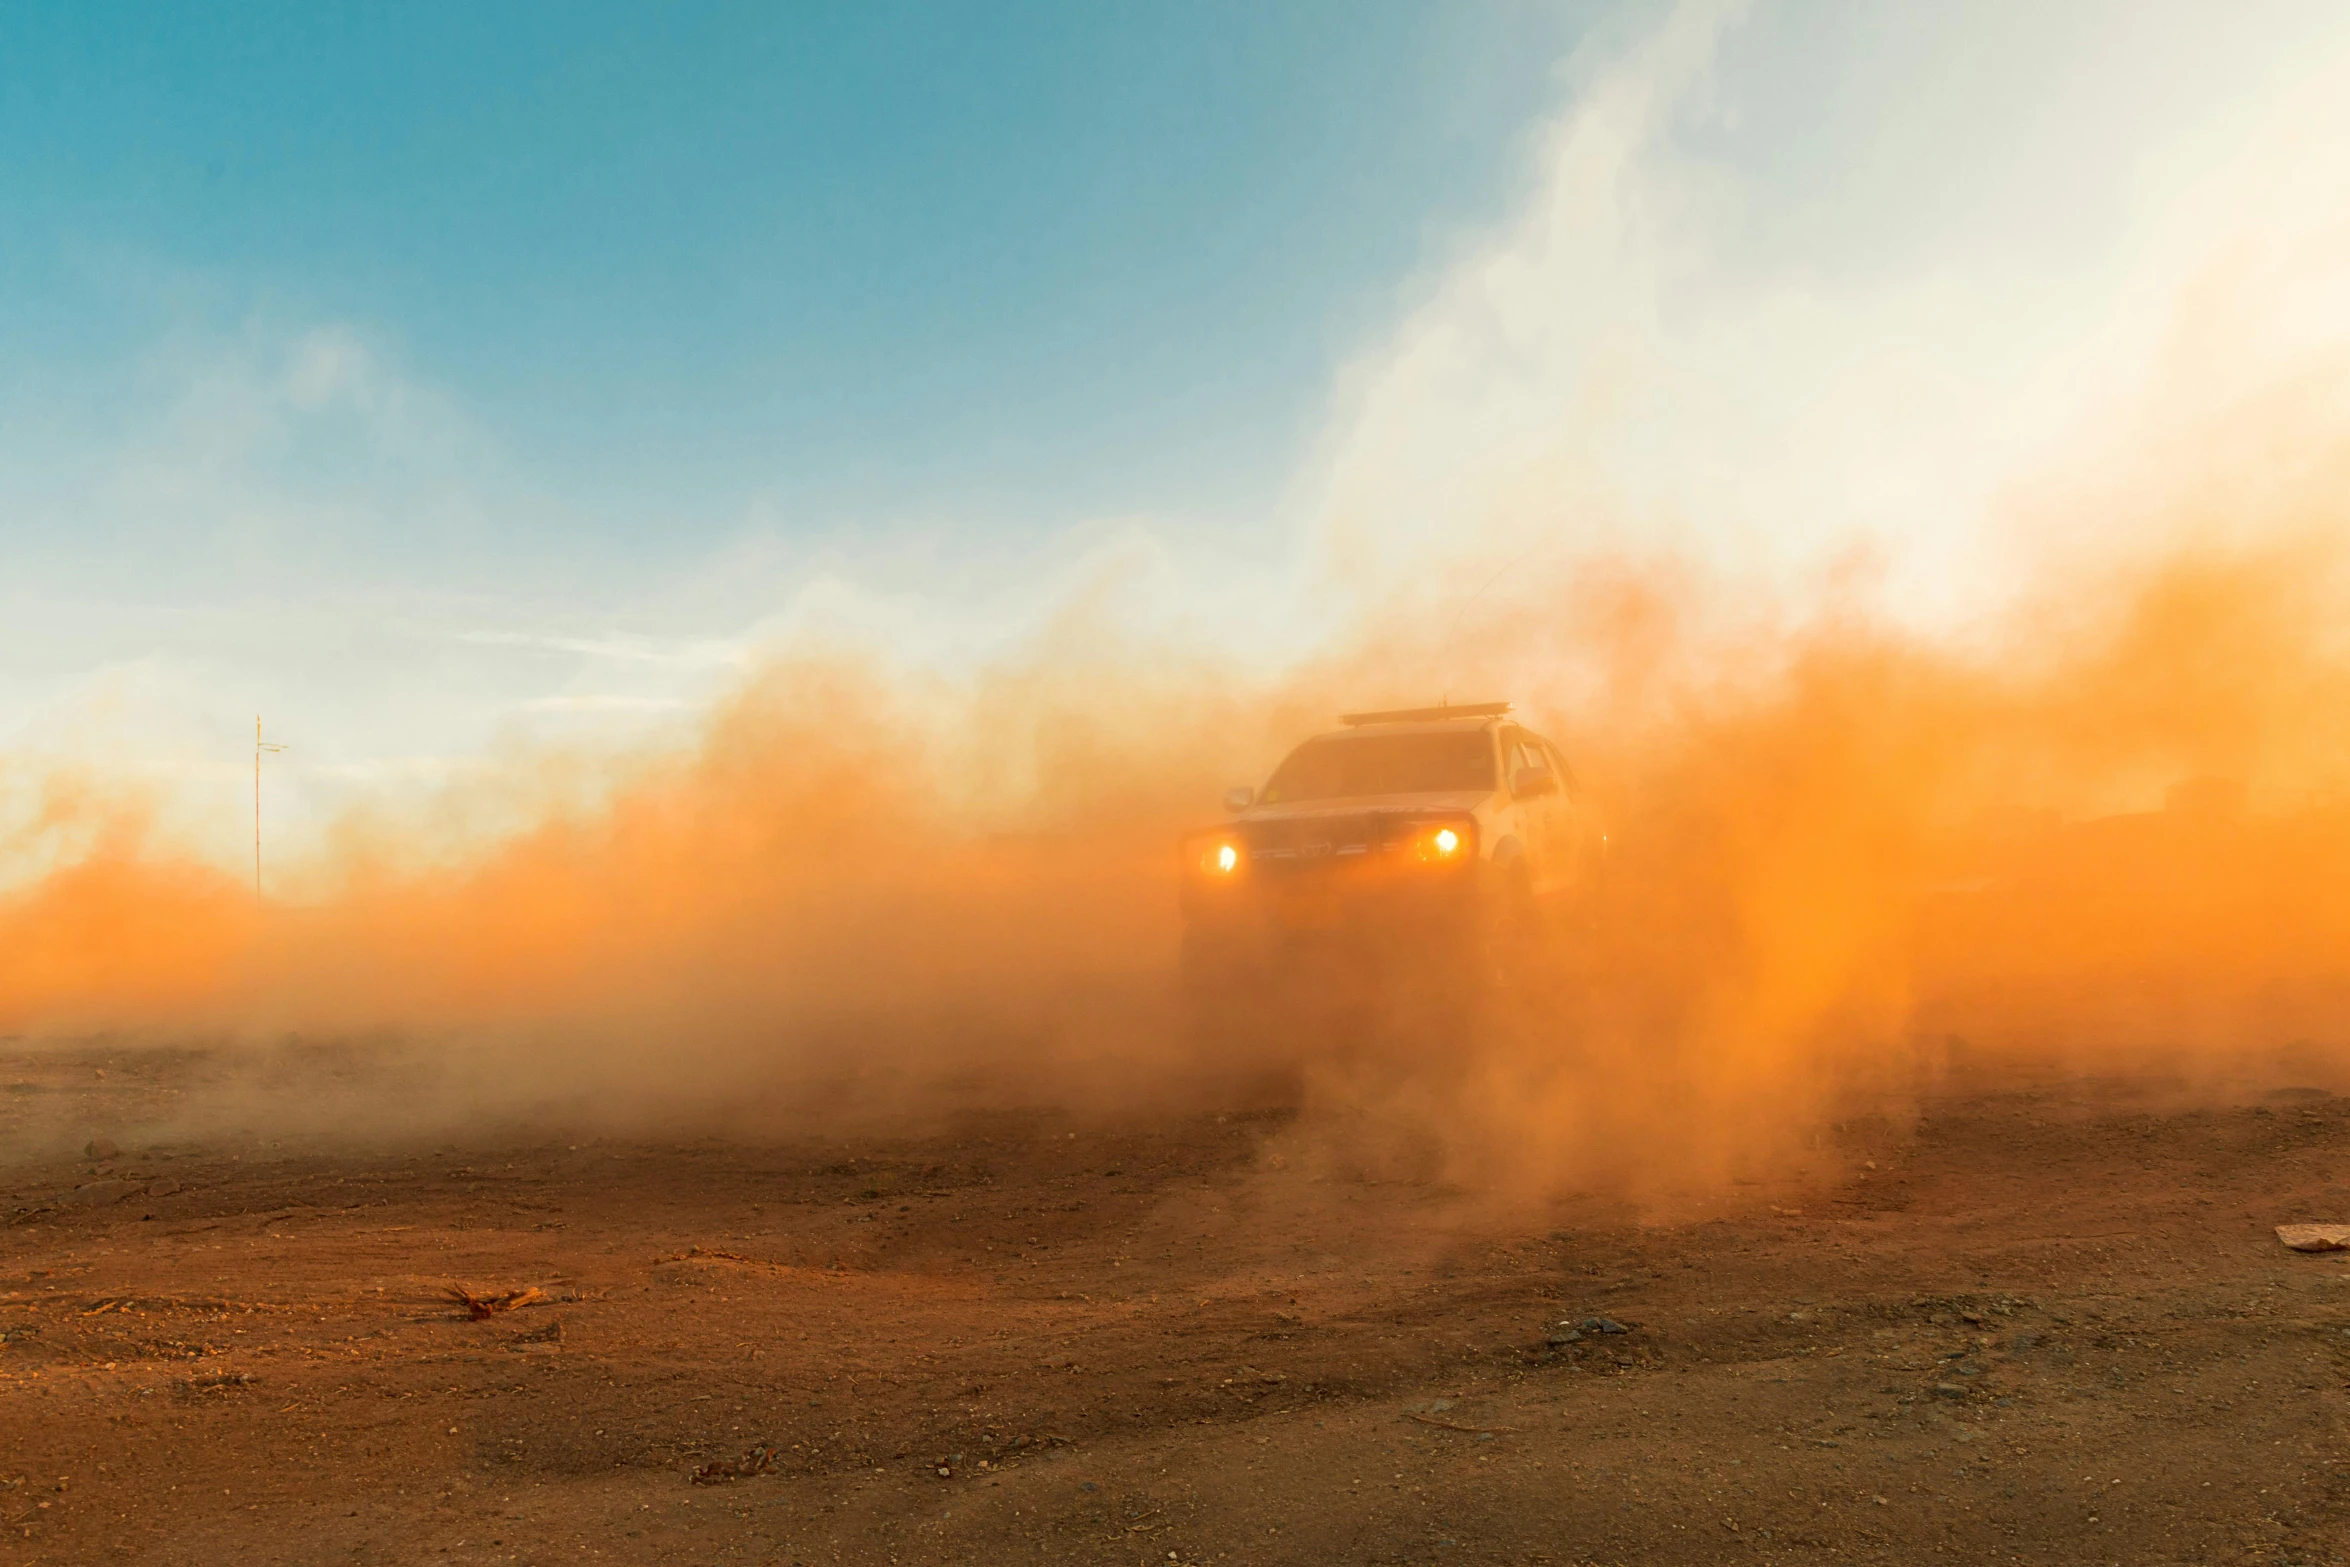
<point x="2107" y="834"/>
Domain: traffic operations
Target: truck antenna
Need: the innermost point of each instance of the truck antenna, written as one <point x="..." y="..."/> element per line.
<point x="1444" y="650"/>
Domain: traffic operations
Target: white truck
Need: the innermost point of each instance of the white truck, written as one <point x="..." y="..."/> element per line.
<point x="1436" y="833"/>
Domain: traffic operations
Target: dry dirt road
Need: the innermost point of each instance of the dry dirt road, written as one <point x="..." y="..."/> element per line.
<point x="2052" y="1325"/>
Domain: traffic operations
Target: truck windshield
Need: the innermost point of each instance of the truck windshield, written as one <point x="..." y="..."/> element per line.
<point x="1342" y="768"/>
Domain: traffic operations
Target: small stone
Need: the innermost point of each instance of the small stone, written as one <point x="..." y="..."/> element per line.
<point x="1562" y="1340"/>
<point x="102" y="1148"/>
<point x="944" y="1473"/>
<point x="1948" y="1390"/>
<point x="162" y="1188"/>
<point x="99" y="1194"/>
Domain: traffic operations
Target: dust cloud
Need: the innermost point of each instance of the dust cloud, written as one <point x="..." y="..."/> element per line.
<point x="2096" y="824"/>
<point x="2107" y="833"/>
<point x="1852" y="862"/>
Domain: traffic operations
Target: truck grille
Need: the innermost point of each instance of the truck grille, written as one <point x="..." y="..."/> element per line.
<point x="1319" y="845"/>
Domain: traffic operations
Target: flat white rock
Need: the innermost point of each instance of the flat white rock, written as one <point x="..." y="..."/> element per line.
<point x="2315" y="1237"/>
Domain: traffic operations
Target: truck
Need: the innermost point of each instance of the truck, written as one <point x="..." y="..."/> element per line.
<point x="1438" y="838"/>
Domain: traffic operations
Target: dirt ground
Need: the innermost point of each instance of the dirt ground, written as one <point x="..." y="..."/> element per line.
<point x="2052" y="1324"/>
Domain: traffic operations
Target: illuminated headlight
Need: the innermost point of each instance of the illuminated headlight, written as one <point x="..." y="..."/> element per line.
<point x="1218" y="859"/>
<point x="1444" y="845"/>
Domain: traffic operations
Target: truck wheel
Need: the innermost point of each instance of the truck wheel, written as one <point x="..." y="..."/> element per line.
<point x="1509" y="935"/>
<point x="1212" y="963"/>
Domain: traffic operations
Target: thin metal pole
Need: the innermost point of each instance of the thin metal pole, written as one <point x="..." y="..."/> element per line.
<point x="259" y="745"/>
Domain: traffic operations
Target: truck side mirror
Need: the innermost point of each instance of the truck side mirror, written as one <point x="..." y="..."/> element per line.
<point x="1527" y="782"/>
<point x="1239" y="797"/>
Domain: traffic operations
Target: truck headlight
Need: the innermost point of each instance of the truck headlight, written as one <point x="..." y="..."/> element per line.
<point x="1218" y="859"/>
<point x="1446" y="843"/>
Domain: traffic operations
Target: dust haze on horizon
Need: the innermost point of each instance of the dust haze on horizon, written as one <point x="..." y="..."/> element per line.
<point x="1955" y="645"/>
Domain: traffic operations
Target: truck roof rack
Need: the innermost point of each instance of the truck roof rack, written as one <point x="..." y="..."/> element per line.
<point x="1425" y="715"/>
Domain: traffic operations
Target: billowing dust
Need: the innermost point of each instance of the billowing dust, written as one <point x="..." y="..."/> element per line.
<point x="2107" y="833"/>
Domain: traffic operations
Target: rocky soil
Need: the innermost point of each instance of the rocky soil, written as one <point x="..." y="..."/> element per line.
<point x="2052" y="1324"/>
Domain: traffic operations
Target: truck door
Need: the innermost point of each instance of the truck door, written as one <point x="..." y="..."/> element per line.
<point x="1535" y="791"/>
<point x="1571" y="844"/>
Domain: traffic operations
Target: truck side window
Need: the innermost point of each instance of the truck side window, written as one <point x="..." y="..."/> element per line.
<point x="1521" y="753"/>
<point x="1566" y="773"/>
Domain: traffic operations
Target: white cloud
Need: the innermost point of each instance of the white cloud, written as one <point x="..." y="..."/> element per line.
<point x="1651" y="356"/>
<point x="607" y="702"/>
<point x="1691" y="333"/>
<point x="623" y="647"/>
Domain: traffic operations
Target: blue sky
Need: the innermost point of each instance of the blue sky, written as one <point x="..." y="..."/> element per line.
<point x="448" y="382"/>
<point x="871" y="264"/>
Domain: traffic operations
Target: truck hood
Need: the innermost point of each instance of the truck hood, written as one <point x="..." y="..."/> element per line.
<point x="1462" y="801"/>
